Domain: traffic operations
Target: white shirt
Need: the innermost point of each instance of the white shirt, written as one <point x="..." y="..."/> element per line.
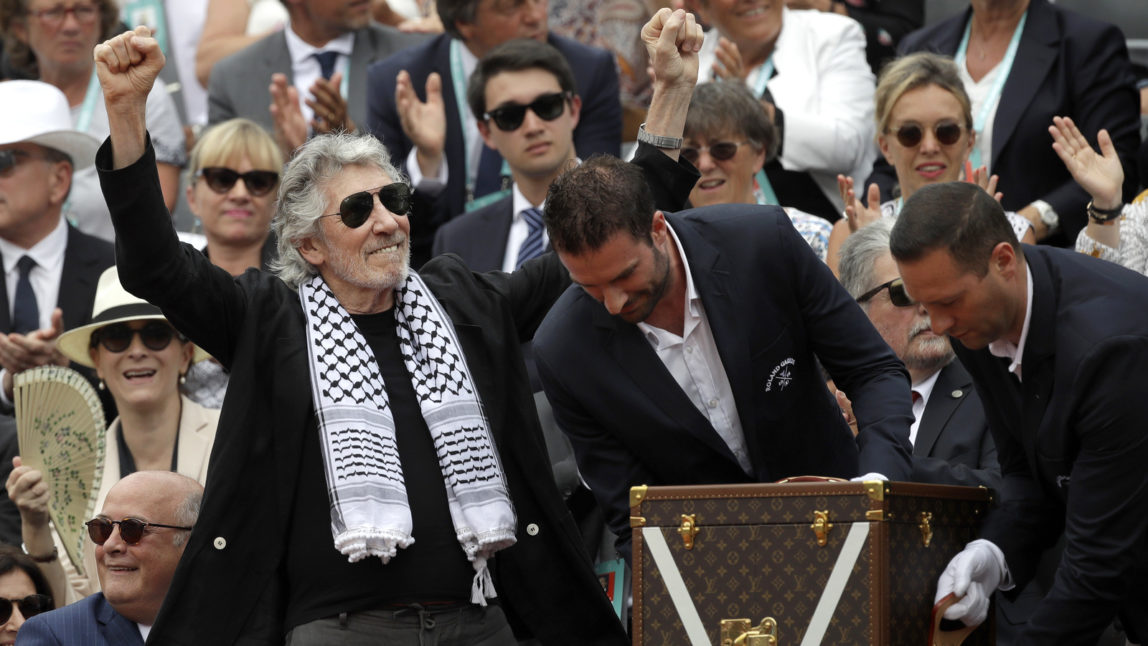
<point x="693" y="361"/>
<point x="924" y="389"/>
<point x="1006" y="350"/>
<point x="305" y="67"/>
<point x="473" y="141"/>
<point x="978" y="92"/>
<point x="45" y="276"/>
<point x="519" y="229"/>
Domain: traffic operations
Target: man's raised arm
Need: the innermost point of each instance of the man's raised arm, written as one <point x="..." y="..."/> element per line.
<point x="127" y="66"/>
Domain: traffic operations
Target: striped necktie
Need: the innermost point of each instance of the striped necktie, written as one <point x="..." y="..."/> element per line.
<point x="532" y="246"/>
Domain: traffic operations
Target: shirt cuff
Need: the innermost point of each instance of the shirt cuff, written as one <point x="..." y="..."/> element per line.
<point x="428" y="185"/>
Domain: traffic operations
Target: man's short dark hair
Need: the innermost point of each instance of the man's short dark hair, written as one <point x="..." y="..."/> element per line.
<point x="515" y="56"/>
<point x="452" y="11"/>
<point x="957" y="216"/>
<point x="587" y="205"/>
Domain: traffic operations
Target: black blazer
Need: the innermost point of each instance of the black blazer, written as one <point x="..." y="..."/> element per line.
<point x="1072" y="445"/>
<point x="478" y="237"/>
<point x="953" y="444"/>
<point x="595" y="77"/>
<point x="1067" y="64"/>
<point x="774" y="310"/>
<point x="254" y="325"/>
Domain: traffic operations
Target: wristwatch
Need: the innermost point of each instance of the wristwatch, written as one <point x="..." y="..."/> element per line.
<point x="658" y="141"/>
<point x="1047" y="215"/>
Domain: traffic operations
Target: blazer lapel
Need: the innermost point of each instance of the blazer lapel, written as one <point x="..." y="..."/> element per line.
<point x="455" y="142"/>
<point x="943" y="402"/>
<point x="5" y="317"/>
<point x="1036" y="380"/>
<point x="496" y="223"/>
<point x="78" y="280"/>
<point x="194" y="442"/>
<point x="115" y="628"/>
<point x="1035" y="56"/>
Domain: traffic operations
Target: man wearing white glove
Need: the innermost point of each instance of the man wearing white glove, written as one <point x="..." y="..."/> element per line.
<point x="1054" y="341"/>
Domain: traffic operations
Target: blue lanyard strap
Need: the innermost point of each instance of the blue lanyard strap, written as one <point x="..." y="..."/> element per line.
<point x="759" y="77"/>
<point x="84" y="119"/>
<point x="1003" y="71"/>
<point x="458" y="79"/>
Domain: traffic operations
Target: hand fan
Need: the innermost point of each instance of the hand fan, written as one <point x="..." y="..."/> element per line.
<point x="60" y="426"/>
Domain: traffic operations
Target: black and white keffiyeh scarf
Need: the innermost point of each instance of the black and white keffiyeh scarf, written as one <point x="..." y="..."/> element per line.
<point x="370" y="514"/>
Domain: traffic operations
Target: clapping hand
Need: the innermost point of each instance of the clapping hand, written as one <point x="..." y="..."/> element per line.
<point x="1101" y="175"/>
<point x="423" y="122"/>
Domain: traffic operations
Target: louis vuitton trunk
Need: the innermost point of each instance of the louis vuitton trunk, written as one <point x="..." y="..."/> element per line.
<point x="802" y="563"/>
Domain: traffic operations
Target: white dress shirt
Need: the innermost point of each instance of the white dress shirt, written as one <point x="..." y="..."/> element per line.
<point x="696" y="366"/>
<point x="305" y="67"/>
<point x="923" y="389"/>
<point x="45" y="276"/>
<point x="1006" y="350"/>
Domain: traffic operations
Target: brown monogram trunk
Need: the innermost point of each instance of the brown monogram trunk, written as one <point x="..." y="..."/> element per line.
<point x="811" y="563"/>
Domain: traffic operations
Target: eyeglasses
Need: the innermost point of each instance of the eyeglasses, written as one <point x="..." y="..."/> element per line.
<point x="356" y="207"/>
<point x="911" y="134"/>
<point x="29" y="606"/>
<point x="117" y="337"/>
<point x="721" y="151"/>
<point x="220" y="180"/>
<point x="131" y="529"/>
<point x="10" y="158"/>
<point x="897" y="294"/>
<point x="85" y="14"/>
<point x="509" y="117"/>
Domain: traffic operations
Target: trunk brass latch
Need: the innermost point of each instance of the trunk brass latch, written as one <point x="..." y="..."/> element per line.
<point x="740" y="632"/>
<point x="688" y="530"/>
<point x="926" y="527"/>
<point x="821" y="527"/>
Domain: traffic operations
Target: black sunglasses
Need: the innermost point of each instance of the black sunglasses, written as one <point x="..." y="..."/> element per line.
<point x="131" y="529"/>
<point x="220" y="180"/>
<point x="117" y="337"/>
<point x="10" y="158"/>
<point x="721" y="151"/>
<point x="911" y="134"/>
<point x="897" y="294"/>
<point x="29" y="606"/>
<point x="356" y="207"/>
<point x="509" y="117"/>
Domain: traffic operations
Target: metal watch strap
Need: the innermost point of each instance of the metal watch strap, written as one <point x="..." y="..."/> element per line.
<point x="658" y="141"/>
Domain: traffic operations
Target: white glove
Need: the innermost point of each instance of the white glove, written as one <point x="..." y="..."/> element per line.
<point x="974" y="574"/>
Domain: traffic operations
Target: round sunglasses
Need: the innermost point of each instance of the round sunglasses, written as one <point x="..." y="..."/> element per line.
<point x="356" y="207"/>
<point x="220" y="180"/>
<point x="117" y="337"/>
<point x="721" y="151"/>
<point x="29" y="606"/>
<point x="946" y="132"/>
<point x="131" y="529"/>
<point x="897" y="294"/>
<point x="509" y="117"/>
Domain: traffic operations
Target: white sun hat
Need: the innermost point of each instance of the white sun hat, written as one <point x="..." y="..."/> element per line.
<point x="38" y="113"/>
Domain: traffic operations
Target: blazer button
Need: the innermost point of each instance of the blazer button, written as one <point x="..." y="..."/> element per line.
<point x="219" y="542"/>
<point x="532" y="529"/>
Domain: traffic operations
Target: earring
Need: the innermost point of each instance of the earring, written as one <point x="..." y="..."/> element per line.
<point x="101" y="385"/>
<point x="183" y="379"/>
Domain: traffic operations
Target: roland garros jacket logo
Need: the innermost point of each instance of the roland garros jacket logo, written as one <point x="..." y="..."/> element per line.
<point x="781" y="375"/>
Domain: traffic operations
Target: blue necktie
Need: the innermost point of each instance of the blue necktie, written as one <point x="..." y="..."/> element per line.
<point x="326" y="62"/>
<point x="25" y="313"/>
<point x="532" y="246"/>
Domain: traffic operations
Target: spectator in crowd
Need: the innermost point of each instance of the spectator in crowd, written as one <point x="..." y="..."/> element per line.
<point x="1050" y="338"/>
<point x="231" y="26"/>
<point x="808" y="70"/>
<point x="140" y="359"/>
<point x="1022" y="62"/>
<point x="735" y="288"/>
<point x="729" y="139"/>
<point x="344" y="566"/>
<point x="139" y="537"/>
<point x="51" y="268"/>
<point x="24" y="592"/>
<point x="418" y="107"/>
<point x="925" y="132"/>
<point x="1116" y="231"/>
<point x="232" y="176"/>
<point x="54" y="44"/>
<point x="950" y="436"/>
<point x="885" y="22"/>
<point x="181" y="23"/>
<point x="316" y="67"/>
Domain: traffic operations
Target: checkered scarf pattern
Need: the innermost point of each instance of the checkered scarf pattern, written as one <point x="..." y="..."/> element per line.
<point x="370" y="514"/>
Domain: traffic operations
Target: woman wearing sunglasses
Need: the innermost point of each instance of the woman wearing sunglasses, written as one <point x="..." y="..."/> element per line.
<point x="729" y="139"/>
<point x="140" y="359"/>
<point x="52" y="41"/>
<point x="924" y="126"/>
<point x="24" y="592"/>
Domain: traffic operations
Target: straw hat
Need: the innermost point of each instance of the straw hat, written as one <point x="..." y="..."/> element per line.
<point x="113" y="305"/>
<point x="38" y="113"/>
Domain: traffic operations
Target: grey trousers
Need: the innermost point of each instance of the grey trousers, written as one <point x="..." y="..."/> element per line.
<point x="468" y="626"/>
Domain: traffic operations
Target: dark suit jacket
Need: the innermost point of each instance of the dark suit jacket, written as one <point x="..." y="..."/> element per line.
<point x="238" y="84"/>
<point x="88" y="622"/>
<point x="595" y="77"/>
<point x="1067" y="64"/>
<point x="478" y="237"/>
<point x="1072" y="446"/>
<point x="953" y="443"/>
<point x="774" y="310"/>
<point x="254" y="325"/>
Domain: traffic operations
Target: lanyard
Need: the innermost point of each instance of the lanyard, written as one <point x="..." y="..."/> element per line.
<point x="1003" y="70"/>
<point x="759" y="77"/>
<point x="150" y="13"/>
<point x="84" y="119"/>
<point x="458" y="78"/>
<point x="765" y="194"/>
